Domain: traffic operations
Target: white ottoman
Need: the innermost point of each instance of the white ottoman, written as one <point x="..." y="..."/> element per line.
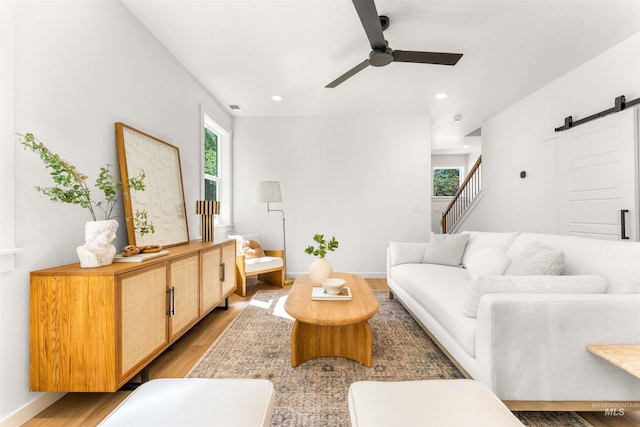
<point x="439" y="403"/>
<point x="196" y="402"/>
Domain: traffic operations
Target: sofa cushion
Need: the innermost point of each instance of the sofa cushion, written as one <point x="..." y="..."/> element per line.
<point x="487" y="261"/>
<point x="482" y="285"/>
<point x="479" y="240"/>
<point x="535" y="260"/>
<point x="262" y="263"/>
<point x="624" y="287"/>
<point x="446" y="249"/>
<point x="442" y="291"/>
<point x="616" y="261"/>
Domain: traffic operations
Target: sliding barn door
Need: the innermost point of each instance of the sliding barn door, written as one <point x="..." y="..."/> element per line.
<point x="598" y="178"/>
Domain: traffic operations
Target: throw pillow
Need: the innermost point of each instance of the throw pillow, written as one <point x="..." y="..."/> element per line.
<point x="536" y="260"/>
<point x="240" y="238"/>
<point x="252" y="249"/>
<point x="487" y="261"/>
<point x="479" y="240"/>
<point x="446" y="249"/>
<point x="584" y="284"/>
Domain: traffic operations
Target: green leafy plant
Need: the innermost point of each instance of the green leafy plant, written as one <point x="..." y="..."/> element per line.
<point x="71" y="185"/>
<point x="323" y="246"/>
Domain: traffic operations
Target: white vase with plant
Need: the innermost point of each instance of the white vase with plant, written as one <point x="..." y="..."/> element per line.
<point x="321" y="269"/>
<point x="71" y="187"/>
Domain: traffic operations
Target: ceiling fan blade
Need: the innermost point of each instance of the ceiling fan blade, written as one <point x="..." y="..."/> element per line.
<point x="439" y="58"/>
<point x="368" y="15"/>
<point x="361" y="66"/>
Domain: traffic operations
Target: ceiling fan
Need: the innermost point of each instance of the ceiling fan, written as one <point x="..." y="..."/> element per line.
<point x="381" y="54"/>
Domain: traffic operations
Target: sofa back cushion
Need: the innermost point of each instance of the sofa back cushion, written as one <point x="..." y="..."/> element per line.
<point x="482" y="285"/>
<point x="487" y="262"/>
<point x="617" y="261"/>
<point x="479" y="240"/>
<point x="534" y="260"/>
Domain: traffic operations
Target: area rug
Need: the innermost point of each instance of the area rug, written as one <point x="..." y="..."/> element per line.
<point x="257" y="345"/>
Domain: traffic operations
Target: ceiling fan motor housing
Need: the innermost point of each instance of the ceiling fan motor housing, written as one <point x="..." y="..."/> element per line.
<point x="381" y="57"/>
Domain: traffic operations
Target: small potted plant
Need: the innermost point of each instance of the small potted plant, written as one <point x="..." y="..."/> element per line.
<point x="70" y="186"/>
<point x="320" y="268"/>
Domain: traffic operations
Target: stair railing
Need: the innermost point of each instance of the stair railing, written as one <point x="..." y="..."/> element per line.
<point x="469" y="189"/>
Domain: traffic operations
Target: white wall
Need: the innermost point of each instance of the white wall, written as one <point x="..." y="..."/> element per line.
<point x="522" y="137"/>
<point x="355" y="177"/>
<point x="80" y="67"/>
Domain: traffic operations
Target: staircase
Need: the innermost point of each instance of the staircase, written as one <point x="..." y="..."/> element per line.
<point x="463" y="199"/>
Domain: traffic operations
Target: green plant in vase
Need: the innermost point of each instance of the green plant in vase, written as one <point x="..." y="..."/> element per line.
<point x="323" y="246"/>
<point x="321" y="268"/>
<point x="70" y="186"/>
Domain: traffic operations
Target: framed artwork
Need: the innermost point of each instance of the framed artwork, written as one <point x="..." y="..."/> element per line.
<point x="163" y="197"/>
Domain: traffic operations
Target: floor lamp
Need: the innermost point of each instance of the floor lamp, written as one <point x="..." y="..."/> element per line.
<point x="269" y="192"/>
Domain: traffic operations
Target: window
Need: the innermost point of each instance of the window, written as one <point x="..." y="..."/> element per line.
<point x="446" y="181"/>
<point x="216" y="167"/>
<point x="211" y="177"/>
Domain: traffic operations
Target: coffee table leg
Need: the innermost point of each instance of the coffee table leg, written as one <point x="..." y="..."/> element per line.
<point x="350" y="341"/>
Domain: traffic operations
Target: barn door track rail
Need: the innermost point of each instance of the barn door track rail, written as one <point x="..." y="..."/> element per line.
<point x="620" y="104"/>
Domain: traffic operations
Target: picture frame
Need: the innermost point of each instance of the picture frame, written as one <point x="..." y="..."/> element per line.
<point x="163" y="197"/>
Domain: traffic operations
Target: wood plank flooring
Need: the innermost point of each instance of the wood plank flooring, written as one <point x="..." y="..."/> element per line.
<point x="88" y="409"/>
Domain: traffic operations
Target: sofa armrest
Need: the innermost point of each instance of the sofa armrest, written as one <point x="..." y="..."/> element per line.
<point x="405" y="253"/>
<point x="527" y="342"/>
<point x="278" y="253"/>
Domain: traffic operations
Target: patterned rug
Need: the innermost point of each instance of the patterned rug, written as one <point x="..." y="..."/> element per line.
<point x="257" y="345"/>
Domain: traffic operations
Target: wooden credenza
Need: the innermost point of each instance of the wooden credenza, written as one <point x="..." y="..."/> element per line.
<point x="93" y="329"/>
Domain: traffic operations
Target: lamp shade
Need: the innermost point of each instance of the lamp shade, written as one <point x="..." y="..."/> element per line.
<point x="267" y="192"/>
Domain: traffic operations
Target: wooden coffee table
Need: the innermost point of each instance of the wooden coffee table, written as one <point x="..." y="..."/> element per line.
<point x="626" y="357"/>
<point x="331" y="328"/>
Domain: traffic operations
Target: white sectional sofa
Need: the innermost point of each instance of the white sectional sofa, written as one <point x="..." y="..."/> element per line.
<point x="500" y="311"/>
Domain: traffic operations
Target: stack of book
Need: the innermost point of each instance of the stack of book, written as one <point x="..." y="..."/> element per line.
<point x="320" y="294"/>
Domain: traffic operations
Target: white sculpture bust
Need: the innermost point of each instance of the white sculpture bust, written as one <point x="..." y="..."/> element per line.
<point x="98" y="250"/>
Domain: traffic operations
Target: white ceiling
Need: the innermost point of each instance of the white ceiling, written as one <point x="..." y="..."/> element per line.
<point x="244" y="51"/>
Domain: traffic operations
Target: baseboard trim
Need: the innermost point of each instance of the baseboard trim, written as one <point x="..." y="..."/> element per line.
<point x="365" y="275"/>
<point x="31" y="409"/>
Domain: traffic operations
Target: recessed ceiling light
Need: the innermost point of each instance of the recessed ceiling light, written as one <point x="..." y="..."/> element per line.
<point x="465" y="146"/>
<point x="441" y="95"/>
<point x="276" y="98"/>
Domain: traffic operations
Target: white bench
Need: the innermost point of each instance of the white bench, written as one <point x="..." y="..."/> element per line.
<point x="196" y="402"/>
<point x="427" y="403"/>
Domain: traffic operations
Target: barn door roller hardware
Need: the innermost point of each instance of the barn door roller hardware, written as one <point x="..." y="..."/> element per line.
<point x="620" y="104"/>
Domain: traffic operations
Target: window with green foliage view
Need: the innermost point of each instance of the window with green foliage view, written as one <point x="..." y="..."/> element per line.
<point x="211" y="176"/>
<point x="216" y="167"/>
<point x="446" y="181"/>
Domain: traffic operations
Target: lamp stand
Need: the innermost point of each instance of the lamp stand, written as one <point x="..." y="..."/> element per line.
<point x="287" y="281"/>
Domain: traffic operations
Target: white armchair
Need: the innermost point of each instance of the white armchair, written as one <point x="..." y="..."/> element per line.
<point x="253" y="260"/>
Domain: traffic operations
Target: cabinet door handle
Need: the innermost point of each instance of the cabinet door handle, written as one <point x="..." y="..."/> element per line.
<point x="171" y="301"/>
<point x="223" y="271"/>
<point x="623" y="224"/>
